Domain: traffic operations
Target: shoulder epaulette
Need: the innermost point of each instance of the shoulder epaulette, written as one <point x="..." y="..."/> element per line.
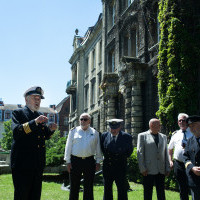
<point x="72" y="128"/>
<point x="174" y="133"/>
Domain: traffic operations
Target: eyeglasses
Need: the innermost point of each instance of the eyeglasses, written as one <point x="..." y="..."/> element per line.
<point x="182" y="120"/>
<point x="83" y="119"/>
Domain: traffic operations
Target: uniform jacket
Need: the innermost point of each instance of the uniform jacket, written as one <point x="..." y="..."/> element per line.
<point x="28" y="148"/>
<point x="119" y="151"/>
<point x="150" y="157"/>
<point x="192" y="158"/>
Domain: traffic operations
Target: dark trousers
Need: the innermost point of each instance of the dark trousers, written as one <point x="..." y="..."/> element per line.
<point x="181" y="177"/>
<point x="27" y="184"/>
<point x="195" y="192"/>
<point x="85" y="167"/>
<point x="111" y="174"/>
<point x="148" y="183"/>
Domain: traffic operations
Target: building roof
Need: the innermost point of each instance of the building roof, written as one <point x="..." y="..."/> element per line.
<point x="16" y="106"/>
<point x="59" y="106"/>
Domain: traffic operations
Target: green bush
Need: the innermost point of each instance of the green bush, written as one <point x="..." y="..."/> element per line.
<point x="133" y="168"/>
<point x="6" y="141"/>
<point x="55" y="148"/>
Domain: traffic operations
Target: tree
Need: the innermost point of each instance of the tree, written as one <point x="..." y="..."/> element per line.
<point x="6" y="141"/>
<point x="55" y="148"/>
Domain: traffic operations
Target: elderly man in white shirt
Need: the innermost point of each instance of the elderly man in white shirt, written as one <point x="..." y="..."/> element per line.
<point x="176" y="147"/>
<point x="83" y="156"/>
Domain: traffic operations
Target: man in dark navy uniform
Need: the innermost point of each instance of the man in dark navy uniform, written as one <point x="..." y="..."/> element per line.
<point x="116" y="147"/>
<point x="28" y="149"/>
<point x="192" y="157"/>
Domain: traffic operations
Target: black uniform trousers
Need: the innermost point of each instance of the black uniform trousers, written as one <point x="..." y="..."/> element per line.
<point x="148" y="183"/>
<point x="195" y="192"/>
<point x="114" y="172"/>
<point x="85" y="167"/>
<point x="181" y="177"/>
<point x="27" y="184"/>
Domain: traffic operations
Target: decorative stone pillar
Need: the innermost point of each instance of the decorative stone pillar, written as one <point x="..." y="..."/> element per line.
<point x="111" y="108"/>
<point x="132" y="74"/>
<point x="136" y="110"/>
<point x="110" y="92"/>
<point x="127" y="123"/>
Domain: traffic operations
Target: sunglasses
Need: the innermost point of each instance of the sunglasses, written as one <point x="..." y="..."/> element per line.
<point x="182" y="120"/>
<point x="84" y="119"/>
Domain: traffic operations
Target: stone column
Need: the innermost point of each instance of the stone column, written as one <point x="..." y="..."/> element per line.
<point x="136" y="110"/>
<point x="128" y="109"/>
<point x="111" y="108"/>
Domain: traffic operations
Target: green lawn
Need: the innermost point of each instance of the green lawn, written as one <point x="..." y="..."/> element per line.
<point x="51" y="190"/>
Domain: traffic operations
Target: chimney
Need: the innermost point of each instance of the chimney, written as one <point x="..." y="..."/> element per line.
<point x="53" y="106"/>
<point x="1" y="102"/>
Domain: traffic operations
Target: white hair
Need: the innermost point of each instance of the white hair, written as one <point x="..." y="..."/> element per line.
<point x="85" y="114"/>
<point x="182" y="115"/>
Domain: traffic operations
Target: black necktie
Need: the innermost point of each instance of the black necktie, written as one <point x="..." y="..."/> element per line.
<point x="114" y="138"/>
<point x="184" y="132"/>
<point x="198" y="141"/>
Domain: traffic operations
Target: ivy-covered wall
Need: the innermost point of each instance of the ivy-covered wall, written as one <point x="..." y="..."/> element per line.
<point x="178" y="63"/>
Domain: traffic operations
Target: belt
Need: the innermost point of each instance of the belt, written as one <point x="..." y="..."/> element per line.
<point x="179" y="161"/>
<point x="82" y="158"/>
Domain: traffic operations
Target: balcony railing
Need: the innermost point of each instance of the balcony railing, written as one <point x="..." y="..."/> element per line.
<point x="71" y="86"/>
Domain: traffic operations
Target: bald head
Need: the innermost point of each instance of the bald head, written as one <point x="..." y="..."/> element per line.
<point x="154" y="125"/>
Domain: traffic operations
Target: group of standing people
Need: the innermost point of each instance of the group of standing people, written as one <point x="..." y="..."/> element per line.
<point x="86" y="149"/>
<point x="83" y="154"/>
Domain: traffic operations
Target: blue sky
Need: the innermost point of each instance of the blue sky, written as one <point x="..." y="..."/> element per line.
<point x="36" y="39"/>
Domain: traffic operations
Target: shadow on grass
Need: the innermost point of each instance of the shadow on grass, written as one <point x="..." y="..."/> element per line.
<point x="64" y="178"/>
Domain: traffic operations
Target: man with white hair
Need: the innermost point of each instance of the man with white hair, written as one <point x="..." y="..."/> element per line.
<point x="83" y="143"/>
<point x="30" y="130"/>
<point x="176" y="147"/>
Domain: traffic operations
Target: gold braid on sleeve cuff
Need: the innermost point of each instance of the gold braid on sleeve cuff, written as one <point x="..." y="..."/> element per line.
<point x="187" y="163"/>
<point x="26" y="128"/>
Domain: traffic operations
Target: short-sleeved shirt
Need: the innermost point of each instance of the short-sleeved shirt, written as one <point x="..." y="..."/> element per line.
<point x="176" y="143"/>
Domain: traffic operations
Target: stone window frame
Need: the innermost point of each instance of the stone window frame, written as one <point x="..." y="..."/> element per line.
<point x="93" y="92"/>
<point x="111" y="14"/>
<point x="86" y="96"/>
<point x="130" y="41"/>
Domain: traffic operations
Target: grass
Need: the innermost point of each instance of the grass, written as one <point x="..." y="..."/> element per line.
<point x="51" y="190"/>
